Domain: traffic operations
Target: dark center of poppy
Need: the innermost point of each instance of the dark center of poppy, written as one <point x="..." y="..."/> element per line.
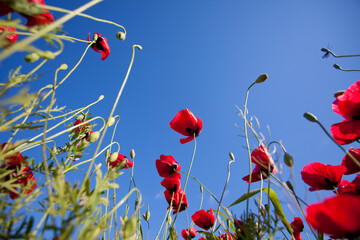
<point x="192" y="131"/>
<point x="98" y="43"/>
<point x="330" y="183"/>
<point x="356" y="117"/>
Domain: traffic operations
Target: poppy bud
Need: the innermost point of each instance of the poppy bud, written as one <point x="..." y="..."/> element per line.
<point x="54" y="150"/>
<point x="146" y="215"/>
<point x="338" y="93"/>
<point x="169" y="219"/>
<point x="84" y="143"/>
<point x="113" y="157"/>
<point x="311" y="117"/>
<point x="47" y="55"/>
<point x="201" y="189"/>
<point x="132" y="153"/>
<point x="63" y="66"/>
<point x="101" y="97"/>
<point x="288" y="159"/>
<point x="336" y="66"/>
<point x="290" y="186"/>
<point x="32" y="57"/>
<point x="129" y="227"/>
<point x="110" y="121"/>
<point x="94" y="137"/>
<point x="95" y="37"/>
<point x="232" y="156"/>
<point x="121" y="36"/>
<point x="138" y="47"/>
<point x="107" y="153"/>
<point x="79" y="117"/>
<point x="262" y="78"/>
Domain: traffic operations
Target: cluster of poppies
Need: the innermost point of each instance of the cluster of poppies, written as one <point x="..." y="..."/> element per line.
<point x="339" y="216"/>
<point x="23" y="175"/>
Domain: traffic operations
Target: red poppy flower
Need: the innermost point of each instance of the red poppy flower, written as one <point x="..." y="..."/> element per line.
<point x="167" y="167"/>
<point x="175" y="197"/>
<point x="297" y="226"/>
<point x="189" y="233"/>
<point x="101" y="45"/>
<point x="11" y="159"/>
<point x="27" y="181"/>
<point x="204" y="219"/>
<point x="262" y="158"/>
<point x="346" y="132"/>
<point x="4" y="9"/>
<point x="186" y="124"/>
<point x="337" y="216"/>
<point x="322" y="177"/>
<point x="120" y="158"/>
<point x="348" y="103"/>
<point x="82" y="127"/>
<point x="227" y="236"/>
<point x="10" y="37"/>
<point x="42" y="18"/>
<point x="351" y="166"/>
<point x="346" y="187"/>
<point x="171" y="184"/>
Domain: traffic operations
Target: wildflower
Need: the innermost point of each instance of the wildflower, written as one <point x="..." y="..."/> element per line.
<point x="322" y="177"/>
<point x="10" y="37"/>
<point x="204" y="219"/>
<point x="43" y="18"/>
<point x="346" y="132"/>
<point x="264" y="163"/>
<point x="119" y="159"/>
<point x="101" y="45"/>
<point x="11" y="159"/>
<point x="227" y="236"/>
<point x="167" y="167"/>
<point x="337" y="216"/>
<point x="186" y="124"/>
<point x="82" y="128"/>
<point x="174" y="198"/>
<point x="297" y="226"/>
<point x="189" y="233"/>
<point x="26" y="180"/>
<point x="351" y="166"/>
<point x="346" y="187"/>
<point x="171" y="184"/>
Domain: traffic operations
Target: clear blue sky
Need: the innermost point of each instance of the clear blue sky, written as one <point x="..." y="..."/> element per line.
<point x="203" y="55"/>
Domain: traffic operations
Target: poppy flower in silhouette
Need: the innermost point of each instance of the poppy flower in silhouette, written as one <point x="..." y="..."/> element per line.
<point x="337" y="216"/>
<point x="346" y="132"/>
<point x="171" y="184"/>
<point x="351" y="166"/>
<point x="174" y="199"/>
<point x="264" y="162"/>
<point x="26" y="180"/>
<point x="10" y="157"/>
<point x="204" y="219"/>
<point x="120" y="158"/>
<point x="297" y="226"/>
<point x="187" y="124"/>
<point x="101" y="45"/>
<point x="347" y="104"/>
<point x="167" y="167"/>
<point x="189" y="233"/>
<point x="322" y="177"/>
<point x="10" y="37"/>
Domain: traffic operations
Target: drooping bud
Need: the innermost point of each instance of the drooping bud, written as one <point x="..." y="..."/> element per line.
<point x="339" y="93"/>
<point x="288" y="160"/>
<point x="262" y="78"/>
<point x="290" y="186"/>
<point x="63" y="66"/>
<point x="201" y="189"/>
<point x="113" y="157"/>
<point x="146" y="215"/>
<point x="336" y="66"/>
<point x="231" y="155"/>
<point x="84" y="143"/>
<point x="169" y="220"/>
<point x="121" y="36"/>
<point x="110" y="121"/>
<point x="138" y="47"/>
<point x="47" y="55"/>
<point x="94" y="137"/>
<point x="32" y="57"/>
<point x="132" y="153"/>
<point x="311" y="117"/>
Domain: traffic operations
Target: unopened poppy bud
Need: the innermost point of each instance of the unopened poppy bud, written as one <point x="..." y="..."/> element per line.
<point x="169" y="220"/>
<point x="121" y="36"/>
<point x="95" y="37"/>
<point x="32" y="57"/>
<point x="262" y="78"/>
<point x="84" y="144"/>
<point x="146" y="215"/>
<point x="311" y="117"/>
<point x="63" y="66"/>
<point x="54" y="150"/>
<point x="132" y="153"/>
<point x="138" y="47"/>
<point x="288" y="160"/>
<point x="290" y="186"/>
<point x="101" y="97"/>
<point x="47" y="55"/>
<point x="110" y="121"/>
<point x="231" y="155"/>
<point x="113" y="157"/>
<point x="94" y="137"/>
<point x="79" y="117"/>
<point x="129" y="227"/>
<point x="336" y="66"/>
<point x="201" y="189"/>
<point x="338" y="93"/>
<point x="325" y="50"/>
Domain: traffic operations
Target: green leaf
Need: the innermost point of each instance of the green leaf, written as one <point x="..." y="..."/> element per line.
<point x="245" y="196"/>
<point x="30" y="224"/>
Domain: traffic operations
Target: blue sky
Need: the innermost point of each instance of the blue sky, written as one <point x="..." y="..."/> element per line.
<point x="203" y="55"/>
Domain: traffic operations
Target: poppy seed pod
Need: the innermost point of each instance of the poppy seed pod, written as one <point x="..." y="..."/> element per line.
<point x="32" y="57"/>
<point x="94" y="137"/>
<point x="262" y="78"/>
<point x="121" y="36"/>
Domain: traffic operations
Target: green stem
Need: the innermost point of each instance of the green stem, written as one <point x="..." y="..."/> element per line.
<point x="339" y="56"/>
